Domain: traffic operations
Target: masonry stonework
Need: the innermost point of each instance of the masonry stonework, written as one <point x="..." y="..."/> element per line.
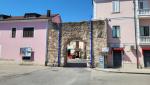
<point x="76" y="31"/>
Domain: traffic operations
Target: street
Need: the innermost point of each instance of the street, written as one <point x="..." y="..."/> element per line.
<point x="71" y="76"/>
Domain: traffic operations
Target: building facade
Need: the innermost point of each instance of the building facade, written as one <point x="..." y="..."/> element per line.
<point x="127" y="29"/>
<point x="142" y="26"/>
<point x="23" y="39"/>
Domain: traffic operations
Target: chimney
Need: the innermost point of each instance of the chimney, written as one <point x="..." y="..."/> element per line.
<point x="48" y="13"/>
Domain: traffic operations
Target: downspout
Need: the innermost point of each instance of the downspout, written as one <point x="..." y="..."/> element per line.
<point x="46" y="59"/>
<point x="91" y="40"/>
<point x="135" y="24"/>
<point x="47" y="35"/>
<point x="91" y="44"/>
<point x="59" y="44"/>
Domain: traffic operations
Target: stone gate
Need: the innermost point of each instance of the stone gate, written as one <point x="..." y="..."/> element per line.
<point x="61" y="35"/>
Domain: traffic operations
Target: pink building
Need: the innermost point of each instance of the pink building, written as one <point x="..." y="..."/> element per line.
<point x="143" y="31"/>
<point x="24" y="38"/>
<point x="126" y="27"/>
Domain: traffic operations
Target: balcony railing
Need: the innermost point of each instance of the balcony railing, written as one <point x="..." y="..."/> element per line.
<point x="144" y="11"/>
<point x="145" y="39"/>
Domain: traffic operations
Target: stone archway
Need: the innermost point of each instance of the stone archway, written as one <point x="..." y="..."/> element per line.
<point x="81" y="51"/>
<point x="74" y="31"/>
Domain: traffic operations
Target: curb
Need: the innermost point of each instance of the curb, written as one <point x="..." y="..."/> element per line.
<point x="122" y="72"/>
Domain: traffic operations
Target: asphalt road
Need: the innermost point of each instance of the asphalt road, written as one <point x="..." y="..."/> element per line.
<point x="74" y="76"/>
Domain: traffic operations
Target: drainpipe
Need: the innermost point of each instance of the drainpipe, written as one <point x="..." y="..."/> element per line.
<point x="47" y="34"/>
<point x="91" y="44"/>
<point x="46" y="59"/>
<point x="59" y="43"/>
<point x="135" y="24"/>
<point x="91" y="39"/>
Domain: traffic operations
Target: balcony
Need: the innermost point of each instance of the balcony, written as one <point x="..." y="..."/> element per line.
<point x="144" y="39"/>
<point x="144" y="12"/>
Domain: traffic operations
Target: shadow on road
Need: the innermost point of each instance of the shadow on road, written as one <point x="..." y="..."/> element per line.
<point x="76" y="65"/>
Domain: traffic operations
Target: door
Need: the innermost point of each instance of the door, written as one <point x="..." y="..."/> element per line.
<point x="117" y="59"/>
<point x="147" y="58"/>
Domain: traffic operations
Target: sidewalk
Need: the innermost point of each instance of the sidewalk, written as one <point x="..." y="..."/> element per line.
<point x="129" y="71"/>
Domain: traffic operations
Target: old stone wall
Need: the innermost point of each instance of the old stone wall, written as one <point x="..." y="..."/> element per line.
<point x="53" y="44"/>
<point x="99" y="39"/>
<point x="79" y="31"/>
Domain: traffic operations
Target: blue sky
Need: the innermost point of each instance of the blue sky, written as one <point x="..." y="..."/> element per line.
<point x="70" y="10"/>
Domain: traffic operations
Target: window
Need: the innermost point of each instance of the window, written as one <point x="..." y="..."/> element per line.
<point x="141" y="5"/>
<point x="116" y="32"/>
<point x="116" y="5"/>
<point x="13" y="32"/>
<point x="28" y="32"/>
<point x="144" y="31"/>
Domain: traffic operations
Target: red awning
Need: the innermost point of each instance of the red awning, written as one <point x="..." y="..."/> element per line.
<point x="118" y="49"/>
<point x="145" y="48"/>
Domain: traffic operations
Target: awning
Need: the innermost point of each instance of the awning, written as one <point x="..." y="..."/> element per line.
<point x="117" y="49"/>
<point x="145" y="48"/>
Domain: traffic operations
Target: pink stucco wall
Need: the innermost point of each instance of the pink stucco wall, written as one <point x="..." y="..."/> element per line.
<point x="10" y="47"/>
<point x="127" y="31"/>
<point x="104" y="9"/>
<point x="124" y="19"/>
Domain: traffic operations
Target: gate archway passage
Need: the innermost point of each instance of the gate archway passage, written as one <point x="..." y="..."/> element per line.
<point x="73" y="41"/>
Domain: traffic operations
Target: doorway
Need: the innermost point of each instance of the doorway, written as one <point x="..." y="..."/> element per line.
<point x="117" y="58"/>
<point x="146" y="54"/>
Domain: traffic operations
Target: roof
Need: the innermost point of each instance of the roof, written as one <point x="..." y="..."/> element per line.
<point x="4" y="16"/>
<point x="32" y="14"/>
<point x="55" y="17"/>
